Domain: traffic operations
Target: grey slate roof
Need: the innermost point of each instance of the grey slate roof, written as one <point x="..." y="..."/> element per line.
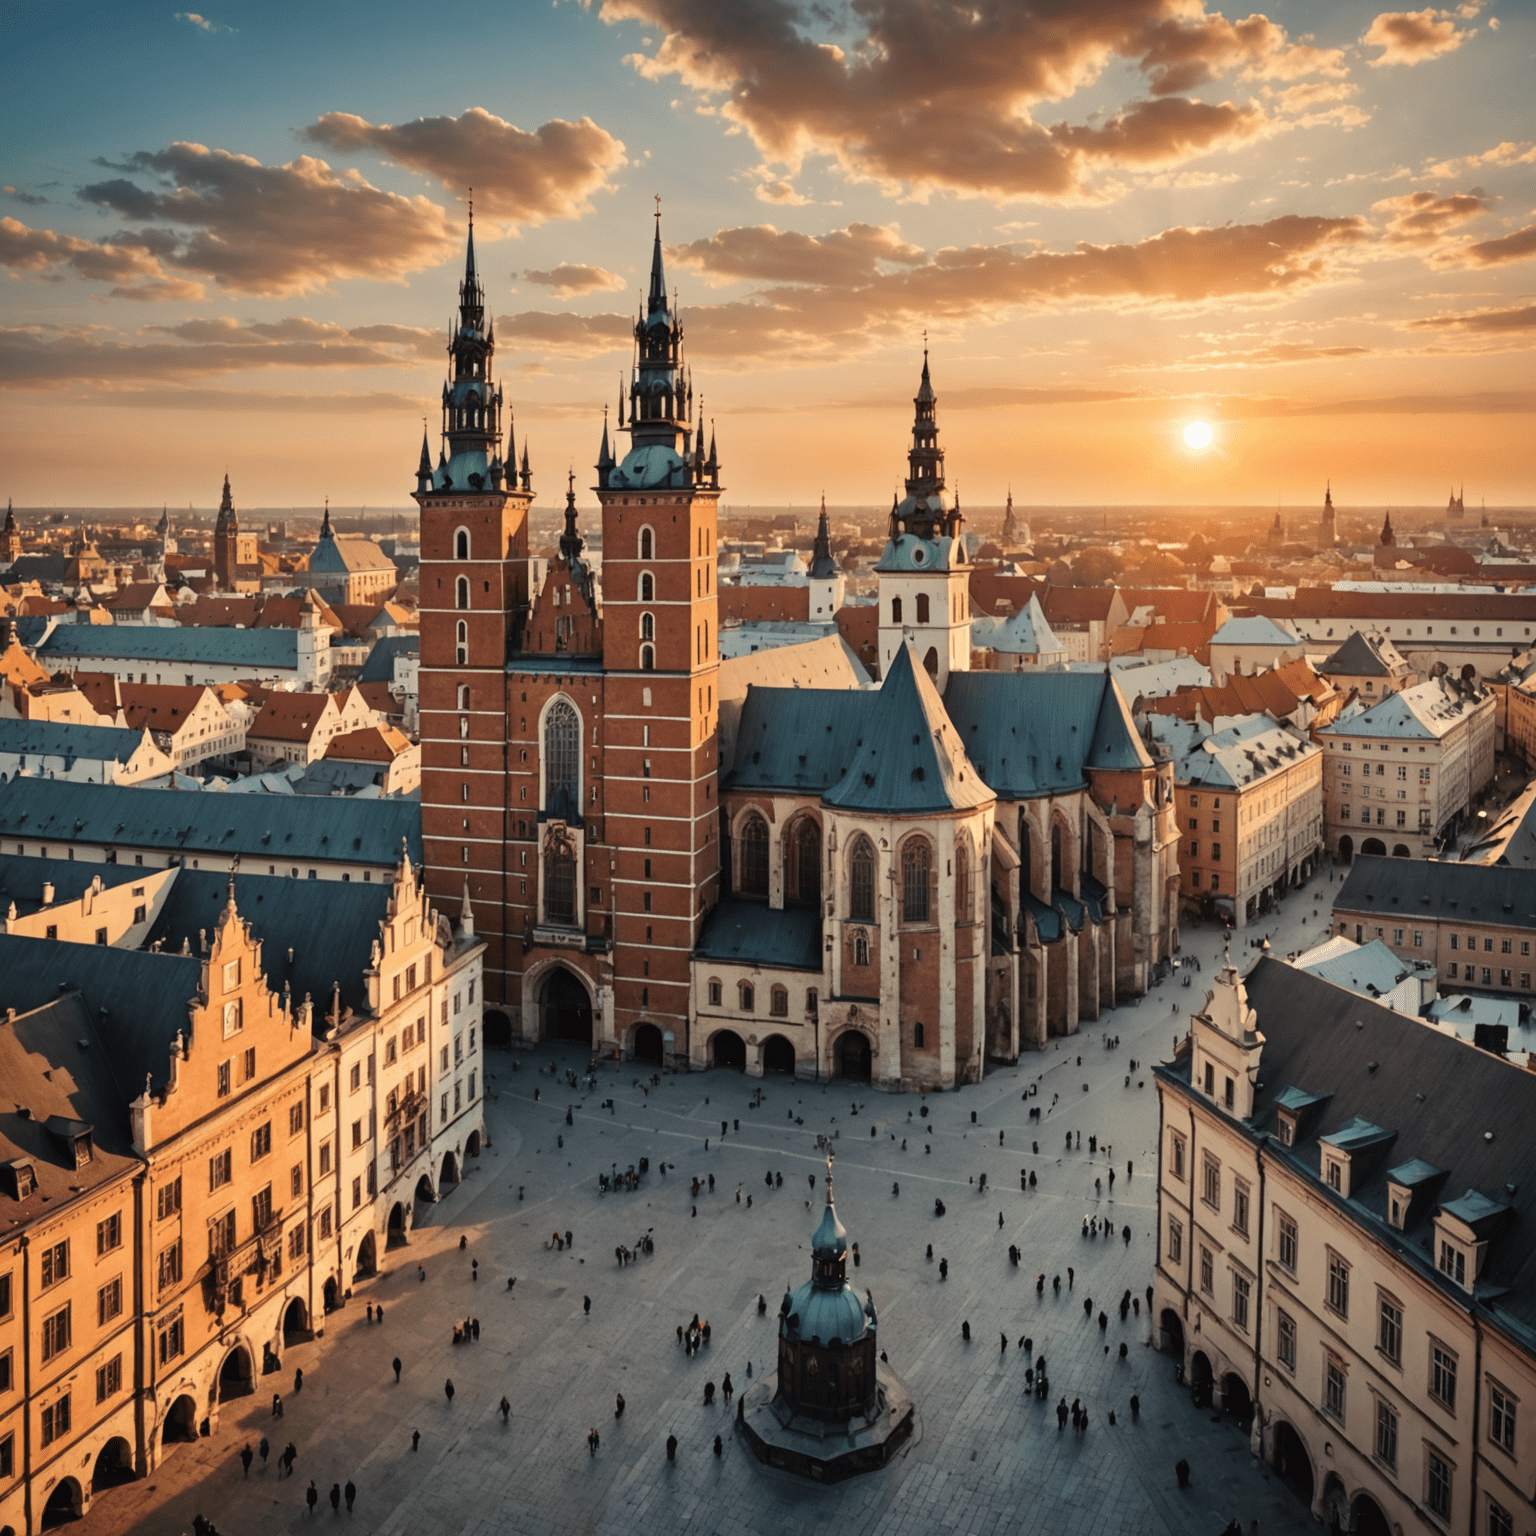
<point x="380" y="665"/>
<point x="1034" y="734"/>
<point x="328" y="927"/>
<point x="1357" y="657"/>
<point x="21" y="880"/>
<point x="1437" y="1094"/>
<point x="750" y="933"/>
<point x="260" y="650"/>
<point x="260" y="828"/>
<point x="59" y="738"/>
<point x="1487" y="894"/>
<point x="145" y="997"/>
<point x="53" y="1064"/>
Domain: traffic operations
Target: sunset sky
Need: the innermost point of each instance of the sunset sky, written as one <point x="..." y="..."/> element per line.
<point x="231" y="241"/>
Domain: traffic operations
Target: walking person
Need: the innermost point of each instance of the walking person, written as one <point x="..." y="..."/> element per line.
<point x="618" y="1406"/>
<point x="415" y="1439"/>
<point x="592" y="1441"/>
<point x="396" y="1363"/>
<point x="335" y="1498"/>
<point x="671" y="1447"/>
<point x="448" y="1390"/>
<point x="246" y="1458"/>
<point x="312" y="1497"/>
<point x="298" y="1382"/>
<point x="262" y="1450"/>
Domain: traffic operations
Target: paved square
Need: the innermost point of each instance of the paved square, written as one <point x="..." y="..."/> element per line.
<point x="984" y="1457"/>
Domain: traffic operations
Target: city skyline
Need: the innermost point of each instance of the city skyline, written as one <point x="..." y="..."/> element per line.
<point x="1308" y="230"/>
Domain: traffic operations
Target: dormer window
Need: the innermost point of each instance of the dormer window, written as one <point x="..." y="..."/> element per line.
<point x="1453" y="1262"/>
<point x="1285" y="1129"/>
<point x="1333" y="1172"/>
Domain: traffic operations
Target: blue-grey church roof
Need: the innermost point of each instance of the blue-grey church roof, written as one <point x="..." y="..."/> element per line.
<point x="260" y="650"/>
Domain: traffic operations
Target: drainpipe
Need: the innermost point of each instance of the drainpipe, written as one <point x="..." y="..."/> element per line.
<point x="1258" y="1306"/>
<point x="1477" y="1405"/>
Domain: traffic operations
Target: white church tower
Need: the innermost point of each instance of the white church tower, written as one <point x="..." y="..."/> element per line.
<point x="924" y="576"/>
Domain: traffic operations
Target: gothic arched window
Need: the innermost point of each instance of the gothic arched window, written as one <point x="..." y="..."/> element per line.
<point x="861" y="883"/>
<point x="861" y="949"/>
<point x="778" y="1002"/>
<point x="461" y="592"/>
<point x="560" y="882"/>
<point x="461" y="544"/>
<point x="647" y="544"/>
<point x="647" y="626"/>
<point x="753" y="864"/>
<point x="461" y="644"/>
<point x="647" y="588"/>
<point x="915" y="866"/>
<point x="562" y="761"/>
<point x="647" y="658"/>
<point x="804" y="862"/>
<point x="964" y="893"/>
<point x="922" y="607"/>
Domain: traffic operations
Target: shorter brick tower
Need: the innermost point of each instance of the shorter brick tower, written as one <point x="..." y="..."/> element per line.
<point x="226" y="542"/>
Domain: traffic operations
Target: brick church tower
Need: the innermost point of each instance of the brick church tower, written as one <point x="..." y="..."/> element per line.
<point x="568" y="735"/>
<point x="226" y="542"/>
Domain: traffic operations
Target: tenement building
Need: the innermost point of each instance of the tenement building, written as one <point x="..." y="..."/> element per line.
<point x="1473" y="922"/>
<point x="1399" y="775"/>
<point x="894" y="884"/>
<point x="1344" y="1251"/>
<point x="213" y="1140"/>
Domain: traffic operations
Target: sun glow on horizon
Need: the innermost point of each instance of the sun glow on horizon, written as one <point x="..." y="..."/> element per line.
<point x="1198" y="435"/>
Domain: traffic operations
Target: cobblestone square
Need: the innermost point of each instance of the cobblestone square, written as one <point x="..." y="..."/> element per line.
<point x="985" y="1457"/>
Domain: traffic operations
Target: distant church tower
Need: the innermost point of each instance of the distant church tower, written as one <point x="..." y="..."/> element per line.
<point x="1387" y="535"/>
<point x="924" y="577"/>
<point x="825" y="576"/>
<point x="10" y="539"/>
<point x="226" y="542"/>
<point x="1327" y="527"/>
<point x="1456" y="508"/>
<point x="1277" y="531"/>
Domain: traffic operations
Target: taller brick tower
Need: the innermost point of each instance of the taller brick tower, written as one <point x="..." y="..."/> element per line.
<point x="474" y="599"/>
<point x="660" y="663"/>
<point x="226" y="542"/>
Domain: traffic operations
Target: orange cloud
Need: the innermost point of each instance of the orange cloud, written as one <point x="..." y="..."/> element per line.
<point x="1519" y="246"/>
<point x="520" y="178"/>
<point x="571" y="279"/>
<point x="1515" y="320"/>
<point x="272" y="230"/>
<point x="1422" y="218"/>
<point x="1412" y="37"/>
<point x="940" y="95"/>
<point x="761" y="253"/>
<point x="133" y="272"/>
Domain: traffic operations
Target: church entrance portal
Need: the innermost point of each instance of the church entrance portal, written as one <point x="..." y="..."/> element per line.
<point x="853" y="1056"/>
<point x="567" y="1007"/>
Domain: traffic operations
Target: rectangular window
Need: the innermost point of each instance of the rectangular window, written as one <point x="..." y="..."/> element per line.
<point x="221" y="1235"/>
<point x="55" y="1264"/>
<point x="1338" y="1285"/>
<point x="1175" y="1241"/>
<point x="168" y="1266"/>
<point x="1210" y="1183"/>
<point x="109" y="1301"/>
<point x="1286" y="1241"/>
<point x="325" y="1222"/>
<point x="248" y="1065"/>
<point x="1437" y="1485"/>
<point x="1389" y="1330"/>
<point x="168" y="1199"/>
<point x="109" y="1233"/>
<point x="1285" y="1340"/>
<point x="325" y="1157"/>
<point x="1453" y="1262"/>
<point x="109" y="1379"/>
<point x="1500" y="1521"/>
<point x="1501" y="1418"/>
<point x="1333" y="1387"/>
<point x="1207" y="1272"/>
<point x="295" y="1119"/>
<point x="357" y="1134"/>
<point x="1335" y="1174"/>
<point x="1442" y="1375"/>
<point x="172" y="1340"/>
<point x="1240" y="1206"/>
<point x="220" y="1167"/>
<point x="1418" y="938"/>
<point x="1386" y="1433"/>
<point x="1241" y="1290"/>
<point x="56" y="1420"/>
<point x="224" y="1071"/>
<point x="261" y="1141"/>
<point x="7" y="1456"/>
<point x="296" y="1242"/>
<point x="56" y="1333"/>
<point x="296" y="1181"/>
<point x="1176" y="1155"/>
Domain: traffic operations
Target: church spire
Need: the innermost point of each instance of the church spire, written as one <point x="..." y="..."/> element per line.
<point x="657" y="298"/>
<point x="822" y="563"/>
<point x="571" y="541"/>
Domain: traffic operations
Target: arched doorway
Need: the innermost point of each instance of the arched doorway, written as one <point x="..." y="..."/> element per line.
<point x="1292" y="1464"/>
<point x="424" y="1191"/>
<point x="497" y="1027"/>
<point x="931" y="662"/>
<point x="1235" y="1397"/>
<point x="1367" y="1517"/>
<point x="328" y="1295"/>
<point x="1171" y="1326"/>
<point x="367" y="1257"/>
<point x="64" y="1504"/>
<point x="449" y="1173"/>
<point x="472" y="1144"/>
<point x="394" y="1234"/>
<point x="1201" y="1382"/>
<point x="647" y="1046"/>
<point x="114" y="1465"/>
<point x="1400" y="851"/>
<point x="566" y="1007"/>
<point x="1346" y="849"/>
<point x="853" y="1056"/>
<point x="778" y="1055"/>
<point x="180" y="1427"/>
<point x="236" y="1376"/>
<point x="295" y="1322"/>
<point x="1373" y="847"/>
<point x="728" y="1049"/>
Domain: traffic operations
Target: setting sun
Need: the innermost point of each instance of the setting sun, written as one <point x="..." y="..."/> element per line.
<point x="1198" y="434"/>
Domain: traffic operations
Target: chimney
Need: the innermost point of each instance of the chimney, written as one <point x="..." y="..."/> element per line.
<point x="47" y="893"/>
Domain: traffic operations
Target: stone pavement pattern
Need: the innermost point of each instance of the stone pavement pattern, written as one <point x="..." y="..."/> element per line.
<point x="984" y="1457"/>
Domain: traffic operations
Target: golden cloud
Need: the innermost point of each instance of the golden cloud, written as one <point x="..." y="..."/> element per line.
<point x="1412" y="37"/>
<point x="132" y="271"/>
